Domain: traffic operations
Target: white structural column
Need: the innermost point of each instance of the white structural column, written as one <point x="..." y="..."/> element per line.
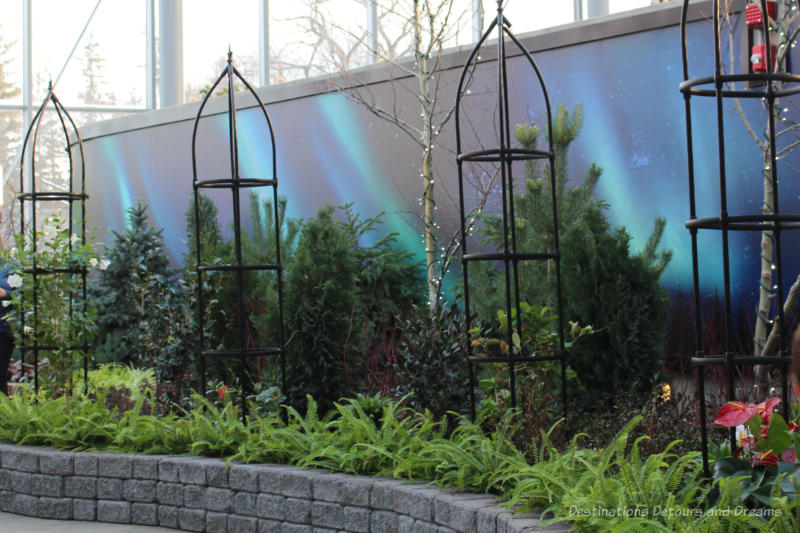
<point x="597" y="8"/>
<point x="372" y="30"/>
<point x="477" y="20"/>
<point x="170" y="52"/>
<point x="27" y="82"/>
<point x="27" y="65"/>
<point x="150" y="60"/>
<point x="263" y="42"/>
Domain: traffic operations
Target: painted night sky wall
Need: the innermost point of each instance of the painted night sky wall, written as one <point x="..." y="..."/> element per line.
<point x="331" y="150"/>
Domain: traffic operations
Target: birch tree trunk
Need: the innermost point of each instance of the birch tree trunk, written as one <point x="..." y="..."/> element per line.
<point x="426" y="140"/>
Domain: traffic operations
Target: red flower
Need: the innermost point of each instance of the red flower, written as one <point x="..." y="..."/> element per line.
<point x="766" y="408"/>
<point x="766" y="458"/>
<point x="789" y="456"/>
<point x="222" y="390"/>
<point x="733" y="414"/>
<point x="793" y="426"/>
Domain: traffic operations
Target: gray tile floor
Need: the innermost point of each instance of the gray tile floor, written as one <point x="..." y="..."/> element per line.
<point x="11" y="523"/>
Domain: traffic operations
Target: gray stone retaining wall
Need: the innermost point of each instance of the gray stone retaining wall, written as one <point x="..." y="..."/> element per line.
<point x="201" y="494"/>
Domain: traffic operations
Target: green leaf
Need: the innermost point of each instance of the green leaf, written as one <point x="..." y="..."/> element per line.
<point x="516" y="341"/>
<point x="731" y="467"/>
<point x="778" y="437"/>
<point x="754" y="425"/>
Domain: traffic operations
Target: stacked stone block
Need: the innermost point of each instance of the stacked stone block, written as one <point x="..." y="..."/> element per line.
<point x="205" y="495"/>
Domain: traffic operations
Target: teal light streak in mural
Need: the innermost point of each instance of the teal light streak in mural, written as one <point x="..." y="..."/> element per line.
<point x="365" y="186"/>
<point x="115" y="161"/>
<point x="255" y="157"/>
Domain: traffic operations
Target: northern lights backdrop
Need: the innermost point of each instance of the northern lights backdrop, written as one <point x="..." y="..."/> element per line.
<point x="331" y="150"/>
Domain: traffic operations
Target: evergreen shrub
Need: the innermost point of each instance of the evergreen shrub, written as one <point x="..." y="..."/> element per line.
<point x="604" y="283"/>
<point x="343" y="297"/>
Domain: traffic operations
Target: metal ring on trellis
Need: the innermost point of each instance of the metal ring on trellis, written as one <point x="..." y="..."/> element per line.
<point x="235" y="183"/>
<point x="511" y="255"/>
<point x="30" y="194"/>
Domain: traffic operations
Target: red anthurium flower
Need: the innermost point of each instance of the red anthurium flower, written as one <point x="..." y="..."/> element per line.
<point x="733" y="414"/>
<point x="789" y="456"/>
<point x="222" y="391"/>
<point x="766" y="408"/>
<point x="766" y="458"/>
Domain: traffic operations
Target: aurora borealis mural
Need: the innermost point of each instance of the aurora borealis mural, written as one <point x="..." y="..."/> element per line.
<point x="331" y="150"/>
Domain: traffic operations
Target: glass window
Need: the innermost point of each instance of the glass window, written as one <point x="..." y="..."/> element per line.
<point x="100" y="72"/>
<point x="529" y="15"/>
<point x="210" y="28"/>
<point x="315" y="37"/>
<point x="10" y="141"/>
<point x="616" y="6"/>
<point x="10" y="53"/>
<point x="459" y="23"/>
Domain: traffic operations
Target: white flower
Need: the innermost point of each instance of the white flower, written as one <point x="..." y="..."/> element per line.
<point x="27" y="330"/>
<point x="14" y="281"/>
<point x="104" y="264"/>
<point x="13" y="252"/>
<point x="743" y="436"/>
<point x="6" y="303"/>
<point x="49" y="232"/>
<point x="92" y="262"/>
<point x="74" y="239"/>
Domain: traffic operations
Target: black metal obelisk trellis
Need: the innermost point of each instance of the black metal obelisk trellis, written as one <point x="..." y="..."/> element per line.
<point x="719" y="87"/>
<point x="504" y="156"/>
<point x="235" y="184"/>
<point x="30" y="195"/>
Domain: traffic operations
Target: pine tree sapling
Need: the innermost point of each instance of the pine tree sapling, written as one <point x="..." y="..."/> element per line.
<point x="604" y="284"/>
<point x="137" y="256"/>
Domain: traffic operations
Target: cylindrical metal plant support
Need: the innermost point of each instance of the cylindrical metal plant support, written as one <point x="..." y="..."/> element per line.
<point x="504" y="155"/>
<point x="29" y="195"/>
<point x="719" y="87"/>
<point x="235" y="184"/>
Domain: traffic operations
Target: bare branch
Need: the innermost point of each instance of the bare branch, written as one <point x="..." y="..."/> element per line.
<point x="788" y="305"/>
